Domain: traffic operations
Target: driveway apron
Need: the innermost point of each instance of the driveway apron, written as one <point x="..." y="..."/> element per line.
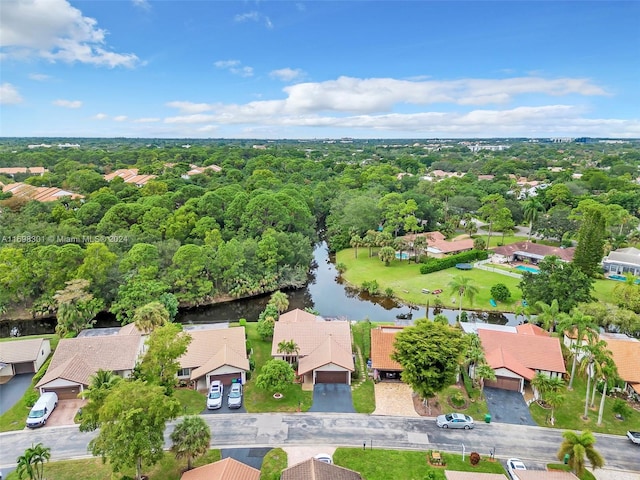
<point x="506" y="406"/>
<point x="332" y="397"/>
<point x="12" y="391"/>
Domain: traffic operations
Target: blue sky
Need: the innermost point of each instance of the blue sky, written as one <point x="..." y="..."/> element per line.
<point x="316" y="69"/>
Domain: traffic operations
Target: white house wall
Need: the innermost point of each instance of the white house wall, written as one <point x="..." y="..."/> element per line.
<point x="43" y="354"/>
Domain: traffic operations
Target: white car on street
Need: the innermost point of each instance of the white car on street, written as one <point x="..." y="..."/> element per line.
<point x="515" y="465"/>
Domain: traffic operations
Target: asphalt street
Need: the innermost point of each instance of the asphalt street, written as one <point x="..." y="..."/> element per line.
<point x="277" y="429"/>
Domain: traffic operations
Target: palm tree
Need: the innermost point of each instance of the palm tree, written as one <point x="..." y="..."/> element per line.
<point x="462" y="287"/>
<point x="577" y="446"/>
<point x="31" y="462"/>
<point x="150" y="316"/>
<point x="484" y="372"/>
<point x="288" y="347"/>
<point x="100" y="384"/>
<point x="355" y="242"/>
<point x="419" y="246"/>
<point x="191" y="438"/>
<point x="581" y="325"/>
<point x="532" y="208"/>
<point x="280" y="300"/>
<point x="554" y="399"/>
<point x="594" y="349"/>
<point x="386" y="254"/>
<point x="548" y="314"/>
<point x="545" y="384"/>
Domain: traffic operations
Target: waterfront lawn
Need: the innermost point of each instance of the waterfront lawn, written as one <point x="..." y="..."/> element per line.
<point x="273" y="463"/>
<point x="257" y="400"/>
<point x="383" y="464"/>
<point x="406" y="281"/>
<point x="168" y="468"/>
<point x="569" y="415"/>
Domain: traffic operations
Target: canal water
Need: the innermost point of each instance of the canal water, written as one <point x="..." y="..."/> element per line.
<point x="324" y="293"/>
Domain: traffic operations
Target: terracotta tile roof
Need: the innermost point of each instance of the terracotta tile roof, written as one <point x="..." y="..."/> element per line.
<point x="382" y="339"/>
<point x="538" y="249"/>
<point x="129" y="329"/>
<point x="129" y="175"/>
<point x="455" y="475"/>
<point x="76" y="359"/>
<point x="211" y="349"/>
<point x="626" y="355"/>
<point x="18" y="351"/>
<point x="225" y="469"/>
<point x="499" y="358"/>
<point x="297" y="315"/>
<point x="327" y="352"/>
<point x="545" y="475"/>
<point x="534" y="352"/>
<point x="436" y="241"/>
<point x="531" y="329"/>
<point x="41" y="194"/>
<point x="14" y="170"/>
<point x="310" y="335"/>
<point x="313" y="469"/>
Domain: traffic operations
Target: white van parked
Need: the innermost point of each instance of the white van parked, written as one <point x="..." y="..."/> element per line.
<point x="42" y="409"/>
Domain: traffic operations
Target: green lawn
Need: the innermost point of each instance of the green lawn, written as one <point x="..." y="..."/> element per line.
<point x="406" y="281"/>
<point x="274" y="462"/>
<point x="364" y="397"/>
<point x="93" y="469"/>
<point x="569" y="415"/>
<point x="476" y="407"/>
<point x="257" y="400"/>
<point x="405" y="464"/>
<point x="192" y="401"/>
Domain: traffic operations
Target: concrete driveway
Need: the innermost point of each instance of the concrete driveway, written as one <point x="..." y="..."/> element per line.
<point x="297" y="455"/>
<point x="65" y="412"/>
<point x="506" y="406"/>
<point x="332" y="397"/>
<point x="394" y="399"/>
<point x="12" y="391"/>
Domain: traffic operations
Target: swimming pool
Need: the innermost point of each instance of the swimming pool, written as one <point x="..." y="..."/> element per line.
<point x="527" y="269"/>
<point x="405" y="256"/>
<point x="622" y="278"/>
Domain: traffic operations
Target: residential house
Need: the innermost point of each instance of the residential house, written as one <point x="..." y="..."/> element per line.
<point x="11" y="171"/>
<point x="622" y="261"/>
<point x="75" y="360"/>
<point x="40" y="194"/>
<point x="23" y="356"/>
<point x="456" y="475"/>
<point x="313" y="469"/>
<point x="626" y="356"/>
<point x="437" y="244"/>
<point x="196" y="170"/>
<point x="384" y="367"/>
<point x="517" y="357"/>
<point x="215" y="354"/>
<point x="529" y="252"/>
<point x="324" y="352"/>
<point x="225" y="469"/>
<point x="130" y="175"/>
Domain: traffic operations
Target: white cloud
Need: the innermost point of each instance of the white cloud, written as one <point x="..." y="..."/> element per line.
<point x="120" y="118"/>
<point x="146" y="120"/>
<point x="142" y="4"/>
<point x="56" y="31"/>
<point x="254" y="16"/>
<point x="100" y="116"/>
<point x="190" y="107"/>
<point x="9" y="95"/>
<point x="39" y="77"/>
<point x="235" y="67"/>
<point x="196" y="118"/>
<point x="287" y="74"/>
<point x="67" y="103"/>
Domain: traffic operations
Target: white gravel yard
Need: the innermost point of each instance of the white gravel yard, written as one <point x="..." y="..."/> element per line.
<point x="394" y="399"/>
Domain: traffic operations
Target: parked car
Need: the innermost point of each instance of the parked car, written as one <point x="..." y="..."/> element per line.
<point x="235" y="396"/>
<point x="324" y="457"/>
<point x="515" y="465"/>
<point x="455" y="420"/>
<point x="634" y="437"/>
<point x="214" y="399"/>
<point x="42" y="409"/>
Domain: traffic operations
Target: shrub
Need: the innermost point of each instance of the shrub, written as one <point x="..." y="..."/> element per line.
<point x="621" y="407"/>
<point x="430" y="265"/>
<point x="468" y="383"/>
<point x="248" y="346"/>
<point x="243" y="322"/>
<point x="500" y="292"/>
<point x="371" y="287"/>
<point x="457" y="399"/>
<point x="474" y="458"/>
<point x="388" y="292"/>
<point x="341" y="267"/>
<point x="30" y="398"/>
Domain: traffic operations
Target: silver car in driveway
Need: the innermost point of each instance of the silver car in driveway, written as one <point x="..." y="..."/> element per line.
<point x="235" y="396"/>
<point x="455" y="420"/>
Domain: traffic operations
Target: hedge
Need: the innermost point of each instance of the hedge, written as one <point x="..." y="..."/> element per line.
<point x="430" y="265"/>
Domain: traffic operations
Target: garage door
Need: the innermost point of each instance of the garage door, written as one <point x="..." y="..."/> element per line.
<point x="25" y="367"/>
<point x="65" y="393"/>
<point x="226" y="379"/>
<point x="506" y="383"/>
<point x="332" y="377"/>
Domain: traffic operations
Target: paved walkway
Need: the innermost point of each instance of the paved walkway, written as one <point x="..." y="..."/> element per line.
<point x="296" y="455"/>
<point x="394" y="399"/>
<point x="610" y="474"/>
